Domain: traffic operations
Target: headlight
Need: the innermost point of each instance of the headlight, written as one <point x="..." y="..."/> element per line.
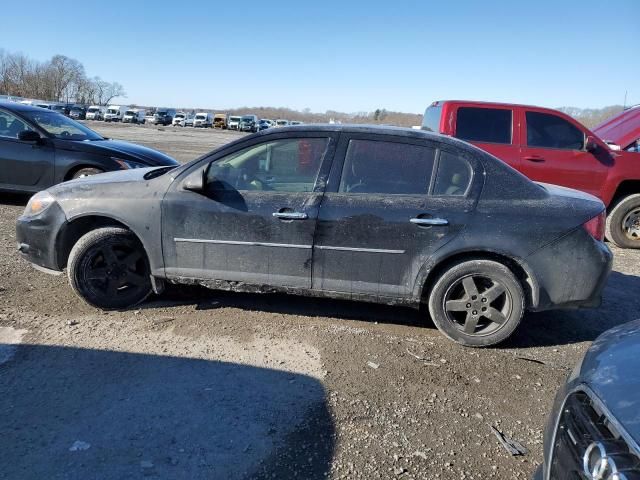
<point x="128" y="164"/>
<point x="38" y="204"/>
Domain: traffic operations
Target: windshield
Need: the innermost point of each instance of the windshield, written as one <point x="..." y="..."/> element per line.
<point x="282" y="122"/>
<point x="200" y="117"/>
<point x="161" y="114"/>
<point x="234" y="119"/>
<point x="179" y="115"/>
<point x="131" y="113"/>
<point x="76" y="109"/>
<point x="247" y="119"/>
<point x="58" y="107"/>
<point x="93" y="110"/>
<point x="59" y="126"/>
<point x="113" y="111"/>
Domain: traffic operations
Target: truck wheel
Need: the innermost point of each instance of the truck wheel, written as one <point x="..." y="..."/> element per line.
<point x="623" y="222"/>
<point x="477" y="303"/>
<point x="108" y="268"/>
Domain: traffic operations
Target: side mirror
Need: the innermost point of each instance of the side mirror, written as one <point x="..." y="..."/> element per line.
<point x="590" y="145"/>
<point x="29" y="136"/>
<point x="196" y="182"/>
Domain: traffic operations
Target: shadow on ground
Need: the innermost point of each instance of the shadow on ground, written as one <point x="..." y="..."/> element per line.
<point x="16" y="199"/>
<point x="165" y="417"/>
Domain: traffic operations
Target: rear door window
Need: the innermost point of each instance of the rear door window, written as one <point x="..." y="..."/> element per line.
<point x="454" y="175"/>
<point x="489" y="125"/>
<point x="382" y="167"/>
<point x="550" y="131"/>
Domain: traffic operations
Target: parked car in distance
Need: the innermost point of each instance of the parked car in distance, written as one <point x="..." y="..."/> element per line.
<point x="388" y="215"/>
<point x="78" y="112"/>
<point x="265" y="123"/>
<point x="150" y="116"/>
<point x="220" y="121"/>
<point x="203" y="120"/>
<point x="61" y="108"/>
<point x="281" y="122"/>
<point x="115" y="113"/>
<point x="188" y="122"/>
<point x="550" y="146"/>
<point x="96" y="112"/>
<point x="234" y="122"/>
<point x="249" y="123"/>
<point x="593" y="430"/>
<point x="178" y="119"/>
<point x="164" y="116"/>
<point x="134" y="115"/>
<point x="295" y="122"/>
<point x="40" y="148"/>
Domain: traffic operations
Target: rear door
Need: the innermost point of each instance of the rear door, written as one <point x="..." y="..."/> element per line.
<point x="24" y="166"/>
<point x="553" y="151"/>
<point x="494" y="129"/>
<point x="393" y="201"/>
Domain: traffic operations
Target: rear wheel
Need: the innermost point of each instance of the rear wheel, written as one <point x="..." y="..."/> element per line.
<point x="623" y="222"/>
<point x="477" y="303"/>
<point x="108" y="268"/>
<point x="86" y="172"/>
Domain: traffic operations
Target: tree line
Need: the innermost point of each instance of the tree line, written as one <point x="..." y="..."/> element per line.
<point x="60" y="79"/>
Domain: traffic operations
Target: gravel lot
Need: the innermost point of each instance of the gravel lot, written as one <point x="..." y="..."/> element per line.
<point x="205" y="384"/>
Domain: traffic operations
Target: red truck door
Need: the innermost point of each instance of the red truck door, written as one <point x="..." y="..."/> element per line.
<point x="553" y="151"/>
<point x="494" y="129"/>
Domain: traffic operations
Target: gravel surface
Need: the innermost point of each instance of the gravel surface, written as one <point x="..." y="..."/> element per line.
<point x="206" y="384"/>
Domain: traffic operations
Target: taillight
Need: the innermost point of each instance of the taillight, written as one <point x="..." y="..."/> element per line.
<point x="595" y="226"/>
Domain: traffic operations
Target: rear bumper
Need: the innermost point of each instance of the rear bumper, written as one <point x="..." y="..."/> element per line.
<point x="571" y="272"/>
<point x="36" y="237"/>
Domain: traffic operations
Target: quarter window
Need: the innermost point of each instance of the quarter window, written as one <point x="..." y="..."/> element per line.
<point x="489" y="125"/>
<point x="454" y="175"/>
<point x="11" y="126"/>
<point x="386" y="168"/>
<point x="288" y="165"/>
<point x="551" y="131"/>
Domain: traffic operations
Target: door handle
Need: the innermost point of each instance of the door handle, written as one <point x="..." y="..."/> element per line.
<point x="429" y="221"/>
<point x="291" y="215"/>
<point x="534" y="158"/>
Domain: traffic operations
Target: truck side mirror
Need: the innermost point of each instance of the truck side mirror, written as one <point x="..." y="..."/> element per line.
<point x="590" y="144"/>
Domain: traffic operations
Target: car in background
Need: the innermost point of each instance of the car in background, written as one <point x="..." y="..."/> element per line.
<point x="264" y="123"/>
<point x="550" y="146"/>
<point x="388" y="215"/>
<point x="281" y="122"/>
<point x="96" y="112"/>
<point x="78" y="112"/>
<point x="593" y="431"/>
<point x="249" y="123"/>
<point x="115" y="113"/>
<point x="189" y="121"/>
<point x="40" y="148"/>
<point x="164" y="116"/>
<point x="61" y="108"/>
<point x="220" y="121"/>
<point x="234" y="122"/>
<point x="203" y="120"/>
<point x="178" y="119"/>
<point x="150" y="116"/>
<point x="134" y="115"/>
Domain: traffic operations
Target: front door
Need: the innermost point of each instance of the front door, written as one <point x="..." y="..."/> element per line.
<point x="256" y="219"/>
<point x="24" y="166"/>
<point x="393" y="203"/>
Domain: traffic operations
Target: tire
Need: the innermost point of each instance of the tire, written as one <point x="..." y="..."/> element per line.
<point x="623" y="222"/>
<point x="466" y="290"/>
<point x="108" y="268"/>
<point x="86" y="172"/>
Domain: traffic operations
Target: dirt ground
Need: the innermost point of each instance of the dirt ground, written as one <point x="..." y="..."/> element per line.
<point x="206" y="384"/>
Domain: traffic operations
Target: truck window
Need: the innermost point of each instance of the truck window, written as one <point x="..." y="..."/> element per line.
<point x="551" y="131"/>
<point x="489" y="125"/>
<point x="431" y="119"/>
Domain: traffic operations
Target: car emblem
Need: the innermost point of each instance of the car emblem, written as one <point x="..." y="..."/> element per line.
<point x="597" y="465"/>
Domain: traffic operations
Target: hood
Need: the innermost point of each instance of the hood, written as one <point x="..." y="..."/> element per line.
<point x="611" y="367"/>
<point x="118" y="148"/>
<point x="622" y="129"/>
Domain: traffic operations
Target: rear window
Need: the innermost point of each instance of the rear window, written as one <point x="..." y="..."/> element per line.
<point x="431" y="119"/>
<point x="387" y="168"/>
<point x="489" y="125"/>
<point x="454" y="175"/>
<point x="551" y="131"/>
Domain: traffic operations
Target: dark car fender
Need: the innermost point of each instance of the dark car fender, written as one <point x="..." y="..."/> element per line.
<point x="68" y="161"/>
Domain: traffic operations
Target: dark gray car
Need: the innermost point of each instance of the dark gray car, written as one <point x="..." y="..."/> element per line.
<point x="594" y="430"/>
<point x="387" y="215"/>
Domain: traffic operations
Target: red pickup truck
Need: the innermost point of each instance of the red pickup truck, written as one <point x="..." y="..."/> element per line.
<point x="549" y="146"/>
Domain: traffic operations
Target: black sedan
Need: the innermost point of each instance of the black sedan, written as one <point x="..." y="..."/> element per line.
<point x="594" y="430"/>
<point x="40" y="148"/>
<point x="386" y="215"/>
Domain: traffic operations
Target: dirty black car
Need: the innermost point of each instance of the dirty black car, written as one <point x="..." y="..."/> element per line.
<point x="40" y="148"/>
<point x="387" y="215"/>
<point x="593" y="431"/>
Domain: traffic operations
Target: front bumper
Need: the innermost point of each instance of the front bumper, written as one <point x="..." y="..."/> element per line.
<point x="36" y="237"/>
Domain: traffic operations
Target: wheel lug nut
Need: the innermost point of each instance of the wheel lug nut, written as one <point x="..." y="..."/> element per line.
<point x="484" y="309"/>
<point x="475" y="312"/>
<point x="468" y="305"/>
<point x="474" y="297"/>
<point x="484" y="300"/>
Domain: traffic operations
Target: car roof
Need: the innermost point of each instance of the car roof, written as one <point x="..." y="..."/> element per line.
<point x="20" y="107"/>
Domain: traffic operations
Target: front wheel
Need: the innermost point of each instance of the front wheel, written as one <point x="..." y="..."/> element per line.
<point x="108" y="268"/>
<point x="86" y="172"/>
<point x="477" y="303"/>
<point x="623" y="222"/>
